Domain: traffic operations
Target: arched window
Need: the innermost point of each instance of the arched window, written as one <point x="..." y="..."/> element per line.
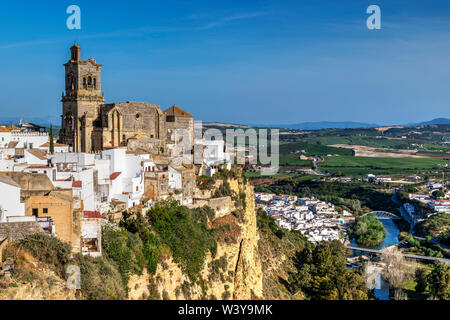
<point x="89" y="81"/>
<point x="95" y="83"/>
<point x="84" y="82"/>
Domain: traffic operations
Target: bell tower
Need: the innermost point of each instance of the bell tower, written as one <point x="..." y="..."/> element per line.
<point x="80" y="101"/>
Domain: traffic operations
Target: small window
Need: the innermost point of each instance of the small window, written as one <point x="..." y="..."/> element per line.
<point x="138" y="116"/>
<point x="123" y="137"/>
<point x="137" y="188"/>
<point x="45" y="210"/>
<point x="35" y="212"/>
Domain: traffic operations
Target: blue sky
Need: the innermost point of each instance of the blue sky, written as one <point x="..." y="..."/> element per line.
<point x="271" y="61"/>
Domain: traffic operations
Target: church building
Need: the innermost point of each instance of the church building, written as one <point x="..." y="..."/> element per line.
<point x="90" y="125"/>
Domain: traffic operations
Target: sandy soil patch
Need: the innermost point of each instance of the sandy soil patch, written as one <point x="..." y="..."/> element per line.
<point x="364" y="151"/>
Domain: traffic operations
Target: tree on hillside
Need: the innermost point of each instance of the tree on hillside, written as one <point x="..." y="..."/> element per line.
<point x="321" y="274"/>
<point x="52" y="146"/>
<point x="421" y="280"/>
<point x="439" y="282"/>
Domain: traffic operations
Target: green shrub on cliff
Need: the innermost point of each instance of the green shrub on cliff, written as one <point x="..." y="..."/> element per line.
<point x="188" y="239"/>
<point x="122" y="248"/>
<point x="49" y="250"/>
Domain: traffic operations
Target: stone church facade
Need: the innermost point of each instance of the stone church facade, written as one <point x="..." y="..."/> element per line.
<point x="90" y="125"/>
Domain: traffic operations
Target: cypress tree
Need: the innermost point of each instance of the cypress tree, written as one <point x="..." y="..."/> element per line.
<point x="52" y="146"/>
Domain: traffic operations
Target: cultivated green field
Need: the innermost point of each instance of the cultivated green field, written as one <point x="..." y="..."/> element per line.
<point x="293" y="160"/>
<point x="313" y="149"/>
<point x="435" y="147"/>
<point x="361" y="141"/>
<point x="364" y="165"/>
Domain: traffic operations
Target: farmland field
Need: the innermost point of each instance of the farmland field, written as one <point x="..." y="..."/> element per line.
<point x="360" y="140"/>
<point x="363" y="165"/>
<point x="313" y="149"/>
<point x="293" y="160"/>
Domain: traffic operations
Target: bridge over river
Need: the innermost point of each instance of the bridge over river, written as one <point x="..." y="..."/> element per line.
<point x="383" y="215"/>
<point x="411" y="256"/>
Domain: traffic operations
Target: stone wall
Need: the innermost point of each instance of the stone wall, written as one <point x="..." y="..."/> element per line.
<point x="19" y="230"/>
<point x="3" y="243"/>
<point x="222" y="206"/>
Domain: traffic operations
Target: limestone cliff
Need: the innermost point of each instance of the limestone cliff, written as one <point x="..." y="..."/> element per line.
<point x="234" y="273"/>
<point x="35" y="281"/>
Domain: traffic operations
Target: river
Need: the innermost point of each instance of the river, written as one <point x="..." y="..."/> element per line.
<point x="381" y="289"/>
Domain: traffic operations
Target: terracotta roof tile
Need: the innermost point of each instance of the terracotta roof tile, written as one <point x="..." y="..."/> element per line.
<point x="114" y="175"/>
<point x="91" y="214"/>
<point x="76" y="184"/>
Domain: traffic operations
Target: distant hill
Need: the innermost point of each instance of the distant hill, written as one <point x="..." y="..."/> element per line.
<point x="42" y="121"/>
<point x="434" y="121"/>
<point x="323" y="125"/>
<point x="226" y="125"/>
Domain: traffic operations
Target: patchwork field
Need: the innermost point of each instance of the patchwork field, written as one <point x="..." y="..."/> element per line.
<point x="377" y="165"/>
<point x="364" y="151"/>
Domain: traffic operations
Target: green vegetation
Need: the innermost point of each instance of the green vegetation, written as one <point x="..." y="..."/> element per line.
<point x="294" y="160"/>
<point x="368" y="231"/>
<point x="368" y="141"/>
<point x="290" y="153"/>
<point x="439" y="282"/>
<point x="321" y="274"/>
<point x="317" y="272"/>
<point x="52" y="144"/>
<point x="428" y="146"/>
<point x="49" y="250"/>
<point x="188" y="240"/>
<point x="136" y="244"/>
<point x="424" y="248"/>
<point x="100" y="278"/>
<point x="420" y="277"/>
<point x="434" y="226"/>
<point x="313" y="149"/>
<point x="362" y="165"/>
<point x="223" y="190"/>
<point x="205" y="182"/>
<point x="267" y="224"/>
<point x="123" y="248"/>
<point x="433" y="280"/>
<point x="444" y="237"/>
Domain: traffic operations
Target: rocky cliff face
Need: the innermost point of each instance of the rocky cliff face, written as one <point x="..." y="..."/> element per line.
<point x="234" y="273"/>
<point x="37" y="282"/>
